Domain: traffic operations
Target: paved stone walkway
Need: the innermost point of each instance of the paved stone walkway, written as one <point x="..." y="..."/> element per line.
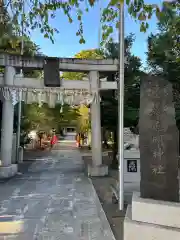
<point x="52" y="201"/>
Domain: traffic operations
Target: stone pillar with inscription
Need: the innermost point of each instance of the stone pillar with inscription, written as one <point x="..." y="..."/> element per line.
<point x="155" y="211"/>
<point x="159" y="141"/>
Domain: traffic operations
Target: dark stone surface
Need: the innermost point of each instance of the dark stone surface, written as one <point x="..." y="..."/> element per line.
<point x="159" y="145"/>
<point x="51" y="72"/>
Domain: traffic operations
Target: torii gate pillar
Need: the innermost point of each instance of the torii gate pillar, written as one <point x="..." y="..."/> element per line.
<point x="96" y="168"/>
<point x="6" y="168"/>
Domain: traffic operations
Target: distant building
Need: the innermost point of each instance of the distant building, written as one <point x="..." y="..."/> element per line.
<point x="70" y="130"/>
<point x="69" y="133"/>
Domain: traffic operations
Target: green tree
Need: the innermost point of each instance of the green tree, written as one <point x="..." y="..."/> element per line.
<point x="45" y="118"/>
<point x="164" y="54"/>
<point x="6" y="25"/>
<point x="132" y="80"/>
<point x="10" y="42"/>
<point x="84" y="54"/>
<point x="164" y="48"/>
<point x="41" y="12"/>
<point x="83" y="121"/>
<point x="64" y="116"/>
<point x="109" y="108"/>
<point x="10" y="39"/>
<point x="35" y="117"/>
<point x="12" y="45"/>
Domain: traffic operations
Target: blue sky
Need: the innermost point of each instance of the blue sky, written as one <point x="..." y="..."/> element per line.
<point x="67" y="44"/>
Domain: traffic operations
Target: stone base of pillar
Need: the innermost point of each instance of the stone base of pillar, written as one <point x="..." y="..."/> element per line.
<point x="150" y="219"/>
<point x="8" y="172"/>
<point x="96" y="171"/>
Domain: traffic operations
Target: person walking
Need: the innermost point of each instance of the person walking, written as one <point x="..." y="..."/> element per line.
<point x="53" y="141"/>
<point x="78" y="140"/>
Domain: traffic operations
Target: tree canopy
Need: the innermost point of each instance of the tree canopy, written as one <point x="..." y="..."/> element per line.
<point x="33" y="116"/>
<point x="84" y="54"/>
<point x="45" y="118"/>
<point x="163" y="54"/>
<point x="10" y="39"/>
<point x="11" y="42"/>
<point x="40" y="12"/>
<point x="164" y="48"/>
<point x="83" y="121"/>
<point x="132" y="87"/>
<point x="109" y="109"/>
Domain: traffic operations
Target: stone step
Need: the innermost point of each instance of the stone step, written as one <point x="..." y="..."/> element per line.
<point x="139" y="231"/>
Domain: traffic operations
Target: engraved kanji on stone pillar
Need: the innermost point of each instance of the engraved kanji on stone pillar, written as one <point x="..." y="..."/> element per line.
<point x="159" y="144"/>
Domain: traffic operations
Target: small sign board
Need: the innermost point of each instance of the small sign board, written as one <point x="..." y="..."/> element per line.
<point x="51" y="72"/>
<point x="132" y="165"/>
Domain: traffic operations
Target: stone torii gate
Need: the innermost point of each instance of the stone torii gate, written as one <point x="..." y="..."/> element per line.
<point x="11" y="83"/>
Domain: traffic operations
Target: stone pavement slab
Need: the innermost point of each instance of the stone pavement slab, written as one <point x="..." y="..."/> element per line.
<point x="52" y="200"/>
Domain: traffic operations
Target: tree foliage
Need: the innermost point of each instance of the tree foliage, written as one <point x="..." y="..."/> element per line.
<point x="84" y="54"/>
<point x="109" y="109"/>
<point x="45" y="118"/>
<point x="40" y="12"/>
<point x="131" y="89"/>
<point x="164" y="48"/>
<point x="164" y="54"/>
<point x="109" y="104"/>
<point x="10" y="39"/>
<point x="39" y="118"/>
<point x="83" y="121"/>
<point x="11" y="42"/>
<point x="6" y="25"/>
<point x="34" y="117"/>
<point x="65" y="115"/>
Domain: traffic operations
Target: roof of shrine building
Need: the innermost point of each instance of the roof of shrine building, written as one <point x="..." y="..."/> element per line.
<point x="65" y="64"/>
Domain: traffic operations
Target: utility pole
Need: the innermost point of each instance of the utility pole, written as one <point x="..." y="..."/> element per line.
<point x="99" y="31"/>
<point x="121" y="108"/>
<point x="18" y="135"/>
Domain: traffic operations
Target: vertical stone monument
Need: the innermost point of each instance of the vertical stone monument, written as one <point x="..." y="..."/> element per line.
<point x="155" y="211"/>
<point x="159" y="141"/>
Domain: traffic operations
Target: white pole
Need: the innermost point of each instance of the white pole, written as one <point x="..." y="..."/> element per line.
<point x="20" y="93"/>
<point x="99" y="31"/>
<point x="121" y="109"/>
